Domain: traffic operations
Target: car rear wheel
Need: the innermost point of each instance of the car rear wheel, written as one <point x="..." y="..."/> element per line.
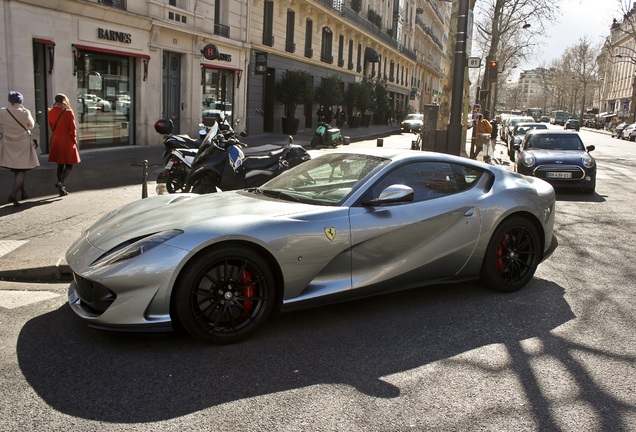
<point x="512" y="256"/>
<point x="225" y="295"/>
<point x="204" y="187"/>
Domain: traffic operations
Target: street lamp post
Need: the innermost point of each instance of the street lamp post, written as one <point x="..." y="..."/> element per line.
<point x="454" y="138"/>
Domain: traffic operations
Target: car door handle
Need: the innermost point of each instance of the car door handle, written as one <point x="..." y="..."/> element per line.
<point x="470" y="212"/>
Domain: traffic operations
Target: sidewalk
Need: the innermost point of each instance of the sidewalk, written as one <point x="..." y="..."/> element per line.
<point x="36" y="235"/>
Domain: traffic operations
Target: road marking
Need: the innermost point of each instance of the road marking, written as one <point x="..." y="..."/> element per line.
<point x="7" y="246"/>
<point x="15" y="299"/>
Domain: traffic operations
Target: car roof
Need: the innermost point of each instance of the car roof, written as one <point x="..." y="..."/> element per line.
<point x="552" y="132"/>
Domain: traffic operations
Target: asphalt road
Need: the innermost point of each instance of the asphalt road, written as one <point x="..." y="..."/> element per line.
<point x="559" y="355"/>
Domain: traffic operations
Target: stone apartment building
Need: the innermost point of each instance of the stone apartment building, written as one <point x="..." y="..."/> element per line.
<point x="126" y="63"/>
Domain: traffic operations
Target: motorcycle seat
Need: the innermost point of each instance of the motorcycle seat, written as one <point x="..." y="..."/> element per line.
<point x="184" y="140"/>
<point x="262" y="162"/>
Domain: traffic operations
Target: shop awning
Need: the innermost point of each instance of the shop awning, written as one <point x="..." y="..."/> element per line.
<point x="111" y="51"/>
<point x="210" y="66"/>
<point x="44" y="41"/>
<point x="371" y="55"/>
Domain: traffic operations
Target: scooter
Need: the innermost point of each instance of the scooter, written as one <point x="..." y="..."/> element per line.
<point x="327" y="135"/>
<point x="222" y="165"/>
<point x="181" y="151"/>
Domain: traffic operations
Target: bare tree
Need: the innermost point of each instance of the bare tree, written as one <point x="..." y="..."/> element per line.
<point x="507" y="28"/>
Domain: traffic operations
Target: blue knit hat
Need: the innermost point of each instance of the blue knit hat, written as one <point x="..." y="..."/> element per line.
<point x="15" y="97"/>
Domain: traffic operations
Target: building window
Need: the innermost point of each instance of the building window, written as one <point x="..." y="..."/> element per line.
<point x="268" y="23"/>
<point x="290" y="46"/>
<point x="327" y="45"/>
<point x="309" y="29"/>
<point x="359" y="67"/>
<point x="350" y="65"/>
<point x="341" y="51"/>
<point x="219" y="28"/>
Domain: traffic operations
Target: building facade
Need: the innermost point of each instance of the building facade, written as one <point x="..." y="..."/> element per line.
<point x="617" y="69"/>
<point x="126" y="64"/>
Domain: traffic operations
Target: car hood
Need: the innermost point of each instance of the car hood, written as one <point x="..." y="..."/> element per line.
<point x="179" y="211"/>
<point x="569" y="156"/>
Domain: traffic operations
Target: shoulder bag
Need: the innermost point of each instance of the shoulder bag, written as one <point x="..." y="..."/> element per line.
<point x="34" y="141"/>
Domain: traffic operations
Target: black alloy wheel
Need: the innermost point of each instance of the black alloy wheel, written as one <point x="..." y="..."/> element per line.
<point x="225" y="295"/>
<point x="512" y="255"/>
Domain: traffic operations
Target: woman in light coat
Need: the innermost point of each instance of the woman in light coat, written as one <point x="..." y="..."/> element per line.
<point x="17" y="151"/>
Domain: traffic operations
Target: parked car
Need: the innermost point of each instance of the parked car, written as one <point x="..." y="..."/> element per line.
<point x="544" y="119"/>
<point x="558" y="157"/>
<point x="122" y="104"/>
<point x="572" y="124"/>
<point x="519" y="132"/>
<point x="628" y="132"/>
<point x="94" y="103"/>
<point x="412" y="123"/>
<point x="345" y="224"/>
<point x="510" y="125"/>
<point x="618" y="130"/>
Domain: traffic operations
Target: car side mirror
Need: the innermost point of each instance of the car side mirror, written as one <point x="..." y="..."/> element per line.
<point x="397" y="193"/>
<point x="516" y="146"/>
<point x="590" y="148"/>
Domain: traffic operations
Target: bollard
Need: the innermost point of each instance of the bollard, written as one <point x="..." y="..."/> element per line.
<point x="144" y="183"/>
<point x="380" y="142"/>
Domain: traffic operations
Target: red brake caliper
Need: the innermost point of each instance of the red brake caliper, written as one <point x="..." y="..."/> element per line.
<point x="248" y="291"/>
<point x="500" y="252"/>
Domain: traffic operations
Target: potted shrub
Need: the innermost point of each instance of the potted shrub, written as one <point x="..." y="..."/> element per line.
<point x="329" y="92"/>
<point x="294" y="88"/>
<point x="382" y="102"/>
<point x="351" y="99"/>
<point x="365" y="102"/>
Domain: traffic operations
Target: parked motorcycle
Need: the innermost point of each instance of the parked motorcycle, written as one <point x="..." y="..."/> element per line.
<point x="180" y="151"/>
<point x="327" y="135"/>
<point x="222" y="165"/>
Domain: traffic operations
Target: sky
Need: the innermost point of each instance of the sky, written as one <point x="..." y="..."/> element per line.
<point x="577" y="18"/>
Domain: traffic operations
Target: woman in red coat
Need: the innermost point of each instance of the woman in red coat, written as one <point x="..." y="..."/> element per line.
<point x="63" y="150"/>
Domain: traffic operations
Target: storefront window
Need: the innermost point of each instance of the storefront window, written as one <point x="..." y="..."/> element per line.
<point x="105" y="100"/>
<point x="218" y="95"/>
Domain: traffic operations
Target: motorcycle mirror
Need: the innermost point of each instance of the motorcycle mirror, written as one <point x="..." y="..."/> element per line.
<point x="291" y="139"/>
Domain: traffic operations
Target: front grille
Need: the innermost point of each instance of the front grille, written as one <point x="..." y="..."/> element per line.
<point x="94" y="296"/>
<point x="577" y="172"/>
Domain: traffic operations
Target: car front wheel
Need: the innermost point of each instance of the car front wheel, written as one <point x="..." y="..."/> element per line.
<point x="225" y="295"/>
<point x="512" y="256"/>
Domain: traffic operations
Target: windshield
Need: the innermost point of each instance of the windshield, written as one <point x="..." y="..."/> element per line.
<point x="414" y="117"/>
<point x="326" y="180"/>
<point x="554" y="142"/>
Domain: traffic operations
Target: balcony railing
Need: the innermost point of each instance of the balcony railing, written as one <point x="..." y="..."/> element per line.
<point x="326" y="58"/>
<point x="290" y="46"/>
<point x="120" y="4"/>
<point x="268" y="40"/>
<point x="309" y="53"/>
<point x="222" y="30"/>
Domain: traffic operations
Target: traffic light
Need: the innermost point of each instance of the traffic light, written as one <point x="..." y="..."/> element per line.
<point x="492" y="71"/>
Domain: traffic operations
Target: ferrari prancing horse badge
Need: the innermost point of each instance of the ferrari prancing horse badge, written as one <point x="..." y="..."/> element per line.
<point x="330" y="232"/>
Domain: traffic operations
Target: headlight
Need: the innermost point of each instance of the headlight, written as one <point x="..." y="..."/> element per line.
<point x="527" y="160"/>
<point x="587" y="160"/>
<point x="134" y="248"/>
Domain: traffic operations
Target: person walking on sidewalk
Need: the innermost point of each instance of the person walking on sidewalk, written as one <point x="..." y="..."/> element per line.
<point x="483" y="129"/>
<point x="494" y="123"/>
<point x="17" y="149"/>
<point x="63" y="150"/>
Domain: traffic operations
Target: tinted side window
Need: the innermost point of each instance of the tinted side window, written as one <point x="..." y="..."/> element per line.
<point x="428" y="180"/>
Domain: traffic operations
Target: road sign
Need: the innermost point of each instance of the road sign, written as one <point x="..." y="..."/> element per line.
<point x="474" y="62"/>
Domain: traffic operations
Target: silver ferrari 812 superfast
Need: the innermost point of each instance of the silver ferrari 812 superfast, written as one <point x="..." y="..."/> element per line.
<point x="340" y="226"/>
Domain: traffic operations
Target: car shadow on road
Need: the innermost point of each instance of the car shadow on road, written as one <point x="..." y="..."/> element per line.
<point x="130" y="378"/>
<point x="577" y="196"/>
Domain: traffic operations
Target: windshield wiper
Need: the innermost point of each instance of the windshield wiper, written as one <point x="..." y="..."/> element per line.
<point x="277" y="194"/>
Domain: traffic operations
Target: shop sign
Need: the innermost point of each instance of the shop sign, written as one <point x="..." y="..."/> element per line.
<point x="211" y="52"/>
<point x="261" y="63"/>
<point x="113" y="35"/>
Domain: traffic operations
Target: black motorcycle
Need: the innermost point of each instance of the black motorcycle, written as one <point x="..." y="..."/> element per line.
<point x="221" y="164"/>
<point x="179" y="151"/>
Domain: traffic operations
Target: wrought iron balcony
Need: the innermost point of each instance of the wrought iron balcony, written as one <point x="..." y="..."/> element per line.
<point x="290" y="46"/>
<point x="309" y="53"/>
<point x="326" y="58"/>
<point x="120" y="4"/>
<point x="222" y="30"/>
<point x="268" y="40"/>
